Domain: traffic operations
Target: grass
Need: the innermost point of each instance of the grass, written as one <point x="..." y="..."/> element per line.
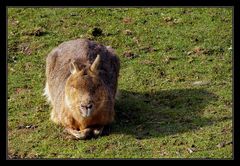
<point x="175" y="81"/>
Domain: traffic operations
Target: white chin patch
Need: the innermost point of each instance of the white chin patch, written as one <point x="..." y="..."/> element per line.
<point x="86" y="113"/>
<point x="89" y="111"/>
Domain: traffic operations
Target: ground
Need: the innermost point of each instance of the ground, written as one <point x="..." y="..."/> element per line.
<point x="175" y="84"/>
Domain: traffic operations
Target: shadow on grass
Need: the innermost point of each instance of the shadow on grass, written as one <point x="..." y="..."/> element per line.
<point x="162" y="113"/>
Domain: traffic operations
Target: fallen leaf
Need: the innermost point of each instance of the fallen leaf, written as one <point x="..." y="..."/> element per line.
<point x="14" y="22"/>
<point x="21" y="126"/>
<point x="148" y="49"/>
<point x="130" y="55"/>
<point x="28" y="65"/>
<point x="189" y="52"/>
<point x="28" y="126"/>
<point x="136" y="40"/>
<point x="168" y="59"/>
<point x="38" y="32"/>
<point x="147" y="62"/>
<point x="127" y="20"/>
<point x="167" y="19"/>
<point x="163" y="153"/>
<point x="19" y="90"/>
<point x="127" y="32"/>
<point x="221" y="144"/>
<point x="197" y="50"/>
<point x="200" y="83"/>
<point x="191" y="150"/>
<point x="25" y="48"/>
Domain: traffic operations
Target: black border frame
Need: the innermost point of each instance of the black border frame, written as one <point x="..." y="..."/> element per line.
<point x="122" y="3"/>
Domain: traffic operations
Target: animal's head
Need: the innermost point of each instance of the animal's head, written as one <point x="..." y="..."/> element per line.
<point x="84" y="89"/>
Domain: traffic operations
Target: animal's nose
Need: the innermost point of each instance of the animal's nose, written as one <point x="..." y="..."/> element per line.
<point x="88" y="106"/>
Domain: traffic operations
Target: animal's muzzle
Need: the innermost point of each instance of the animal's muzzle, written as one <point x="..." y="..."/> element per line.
<point x="86" y="110"/>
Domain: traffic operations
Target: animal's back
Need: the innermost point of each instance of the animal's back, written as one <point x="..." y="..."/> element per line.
<point x="84" y="53"/>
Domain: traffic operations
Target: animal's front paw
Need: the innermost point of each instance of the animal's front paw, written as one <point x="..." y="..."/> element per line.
<point x="83" y="134"/>
<point x="97" y="131"/>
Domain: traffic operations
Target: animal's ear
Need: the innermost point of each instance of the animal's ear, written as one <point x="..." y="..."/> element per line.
<point x="73" y="67"/>
<point x="94" y="66"/>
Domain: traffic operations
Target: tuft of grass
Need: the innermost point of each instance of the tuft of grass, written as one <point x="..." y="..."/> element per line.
<point x="175" y="81"/>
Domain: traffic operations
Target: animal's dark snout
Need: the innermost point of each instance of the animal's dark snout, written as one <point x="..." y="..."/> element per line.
<point x="86" y="109"/>
<point x="87" y="106"/>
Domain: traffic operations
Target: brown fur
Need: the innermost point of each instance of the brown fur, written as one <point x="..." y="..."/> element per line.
<point x="68" y="92"/>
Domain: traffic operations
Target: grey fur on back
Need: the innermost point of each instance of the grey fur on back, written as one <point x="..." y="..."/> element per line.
<point x="84" y="53"/>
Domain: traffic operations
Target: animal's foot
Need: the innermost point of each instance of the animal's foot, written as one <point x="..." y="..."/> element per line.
<point x="97" y="131"/>
<point x="83" y="134"/>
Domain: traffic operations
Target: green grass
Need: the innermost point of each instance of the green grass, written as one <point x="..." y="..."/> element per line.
<point x="160" y="112"/>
